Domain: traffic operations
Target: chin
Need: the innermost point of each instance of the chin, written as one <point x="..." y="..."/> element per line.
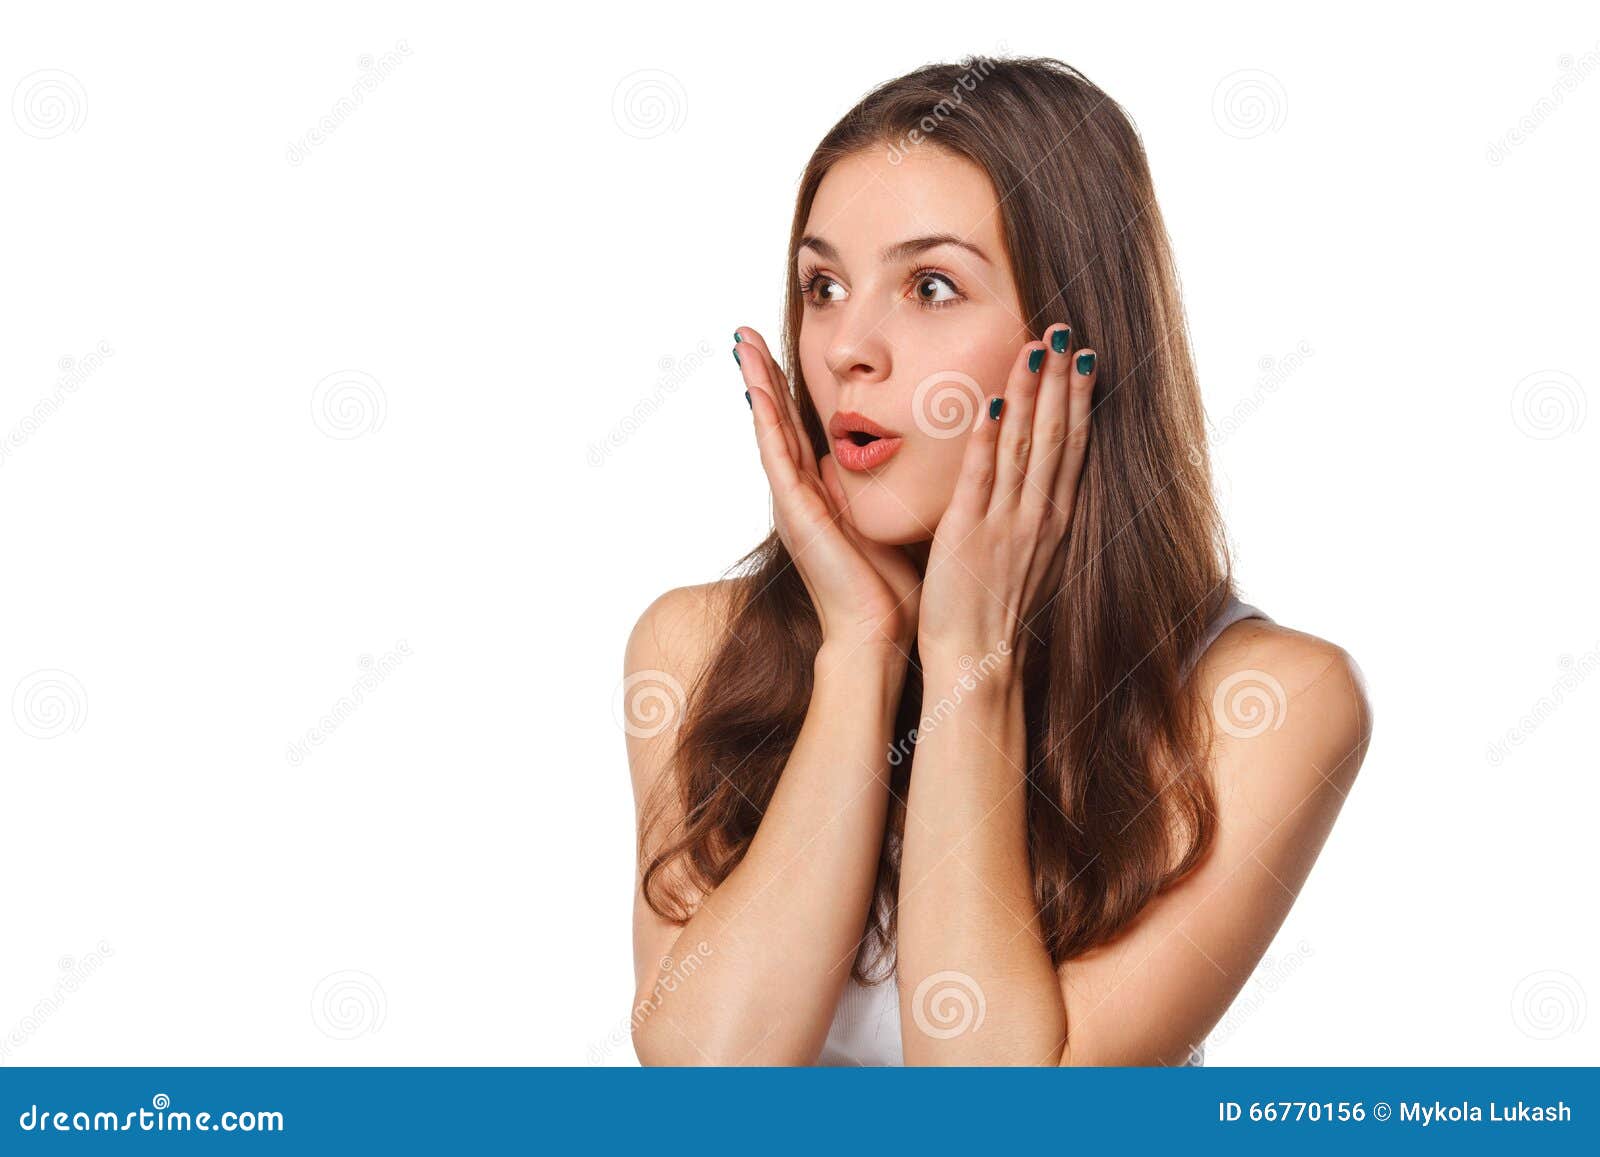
<point x="891" y="518"/>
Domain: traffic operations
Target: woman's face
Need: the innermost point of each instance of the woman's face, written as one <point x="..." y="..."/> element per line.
<point x="911" y="321"/>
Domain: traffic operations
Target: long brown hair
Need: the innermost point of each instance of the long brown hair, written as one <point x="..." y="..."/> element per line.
<point x="1119" y="804"/>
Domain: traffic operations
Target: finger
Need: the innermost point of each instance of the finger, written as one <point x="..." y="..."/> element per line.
<point x="745" y="335"/>
<point x="976" y="480"/>
<point x="776" y="457"/>
<point x="1050" y="416"/>
<point x="758" y="379"/>
<point x="1016" y="427"/>
<point x="1080" y="412"/>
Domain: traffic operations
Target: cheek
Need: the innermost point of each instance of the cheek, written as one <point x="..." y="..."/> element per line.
<point x="819" y="383"/>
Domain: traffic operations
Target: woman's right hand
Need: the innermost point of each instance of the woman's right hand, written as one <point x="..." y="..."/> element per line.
<point x="865" y="593"/>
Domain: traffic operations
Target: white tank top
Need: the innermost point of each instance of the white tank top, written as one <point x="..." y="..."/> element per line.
<point x="866" y="1025"/>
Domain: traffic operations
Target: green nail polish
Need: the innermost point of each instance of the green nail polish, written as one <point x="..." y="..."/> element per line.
<point x="1059" y="340"/>
<point x="994" y="406"/>
<point x="1086" y="364"/>
<point x="736" y="338"/>
<point x="1035" y="360"/>
<point x="736" y="358"/>
<point x="747" y="400"/>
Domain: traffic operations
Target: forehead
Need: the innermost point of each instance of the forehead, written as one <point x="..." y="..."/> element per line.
<point x="868" y="200"/>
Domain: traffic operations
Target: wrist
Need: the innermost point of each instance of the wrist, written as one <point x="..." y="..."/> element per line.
<point x="839" y="659"/>
<point x="952" y="658"/>
<point x="993" y="676"/>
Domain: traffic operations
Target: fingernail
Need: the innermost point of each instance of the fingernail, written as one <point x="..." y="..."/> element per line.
<point x="1035" y="360"/>
<point x="996" y="403"/>
<point x="736" y="338"/>
<point x="1059" y="340"/>
<point x="1086" y="364"/>
<point x="747" y="400"/>
<point x="737" y="362"/>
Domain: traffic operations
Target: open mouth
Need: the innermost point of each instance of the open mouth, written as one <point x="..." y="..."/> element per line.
<point x="859" y="443"/>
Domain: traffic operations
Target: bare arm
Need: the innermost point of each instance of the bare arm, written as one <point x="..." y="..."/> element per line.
<point x="1152" y="994"/>
<point x="756" y="973"/>
<point x="970" y="942"/>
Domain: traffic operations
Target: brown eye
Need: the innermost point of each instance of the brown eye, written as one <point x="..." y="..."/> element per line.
<point x="813" y="286"/>
<point x="936" y="289"/>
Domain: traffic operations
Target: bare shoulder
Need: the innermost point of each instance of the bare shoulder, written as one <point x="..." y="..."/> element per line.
<point x="671" y="643"/>
<point x="1287" y="698"/>
<point x="679" y="631"/>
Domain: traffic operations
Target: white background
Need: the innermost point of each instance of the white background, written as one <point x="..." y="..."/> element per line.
<point x="539" y="227"/>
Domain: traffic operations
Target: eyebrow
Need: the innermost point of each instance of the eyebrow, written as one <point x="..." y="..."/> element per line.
<point x="901" y="249"/>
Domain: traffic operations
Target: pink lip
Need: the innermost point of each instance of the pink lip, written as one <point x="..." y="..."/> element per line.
<point x="869" y="457"/>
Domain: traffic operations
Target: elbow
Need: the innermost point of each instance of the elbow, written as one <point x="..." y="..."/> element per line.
<point x="654" y="1050"/>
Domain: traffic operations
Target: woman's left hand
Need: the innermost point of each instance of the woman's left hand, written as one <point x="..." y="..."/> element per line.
<point x="1001" y="542"/>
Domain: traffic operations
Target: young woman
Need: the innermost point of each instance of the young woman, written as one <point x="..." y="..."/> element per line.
<point x="978" y="758"/>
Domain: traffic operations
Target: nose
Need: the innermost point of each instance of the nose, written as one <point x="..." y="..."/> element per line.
<point x="859" y="349"/>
